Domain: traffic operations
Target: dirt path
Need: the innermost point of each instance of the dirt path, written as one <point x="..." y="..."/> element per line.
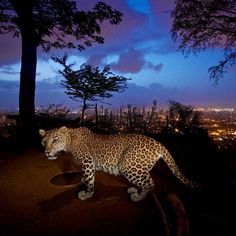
<point x="32" y="205"/>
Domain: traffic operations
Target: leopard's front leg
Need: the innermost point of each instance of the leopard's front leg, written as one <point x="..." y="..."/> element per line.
<point x="88" y="169"/>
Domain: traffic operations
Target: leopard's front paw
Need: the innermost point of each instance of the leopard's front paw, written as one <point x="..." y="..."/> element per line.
<point x="83" y="195"/>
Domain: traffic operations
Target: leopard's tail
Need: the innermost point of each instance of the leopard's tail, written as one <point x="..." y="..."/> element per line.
<point x="169" y="160"/>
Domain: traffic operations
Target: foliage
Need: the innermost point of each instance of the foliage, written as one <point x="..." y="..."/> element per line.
<point x="56" y="23"/>
<point x="50" y="24"/>
<point x="89" y="83"/>
<point x="198" y="25"/>
<point x="7" y="126"/>
<point x="55" y="110"/>
<point x="183" y="118"/>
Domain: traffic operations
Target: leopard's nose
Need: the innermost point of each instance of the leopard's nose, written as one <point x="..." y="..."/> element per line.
<point x="47" y="153"/>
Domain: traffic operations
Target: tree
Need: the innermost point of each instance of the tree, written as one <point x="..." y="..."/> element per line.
<point x="201" y="24"/>
<point x="88" y="83"/>
<point x="182" y="117"/>
<point x="50" y="24"/>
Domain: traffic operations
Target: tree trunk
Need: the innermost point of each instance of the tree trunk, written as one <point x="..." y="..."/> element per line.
<point x="30" y="41"/>
<point x="96" y="115"/>
<point x="83" y="112"/>
<point x="27" y="81"/>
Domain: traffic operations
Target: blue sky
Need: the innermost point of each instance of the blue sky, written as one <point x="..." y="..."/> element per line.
<point x="140" y="48"/>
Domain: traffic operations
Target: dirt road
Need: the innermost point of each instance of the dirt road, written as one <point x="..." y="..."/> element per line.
<point x="32" y="205"/>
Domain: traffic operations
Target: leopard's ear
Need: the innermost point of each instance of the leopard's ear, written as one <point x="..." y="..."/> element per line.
<point x="42" y="132"/>
<point x="63" y="129"/>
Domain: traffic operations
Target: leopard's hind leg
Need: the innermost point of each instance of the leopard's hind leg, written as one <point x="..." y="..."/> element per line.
<point x="143" y="184"/>
<point x="136" y="170"/>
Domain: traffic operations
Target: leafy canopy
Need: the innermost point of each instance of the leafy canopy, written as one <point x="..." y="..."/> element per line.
<point x="56" y="23"/>
<point x="201" y="24"/>
<point x="89" y="83"/>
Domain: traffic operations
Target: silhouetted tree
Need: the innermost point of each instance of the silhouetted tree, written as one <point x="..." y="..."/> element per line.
<point x="88" y="83"/>
<point x="47" y="23"/>
<point x="201" y="24"/>
<point x="54" y="110"/>
<point x="182" y="117"/>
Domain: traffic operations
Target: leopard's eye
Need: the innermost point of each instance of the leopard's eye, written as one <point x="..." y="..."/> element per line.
<point x="55" y="139"/>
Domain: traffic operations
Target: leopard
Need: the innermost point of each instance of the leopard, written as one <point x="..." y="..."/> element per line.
<point x="132" y="156"/>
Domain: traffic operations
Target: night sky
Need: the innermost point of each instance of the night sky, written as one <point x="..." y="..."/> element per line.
<point x="140" y="48"/>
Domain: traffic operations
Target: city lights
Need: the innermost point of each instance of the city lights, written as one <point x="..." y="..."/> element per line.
<point x="219" y="122"/>
<point x="221" y="125"/>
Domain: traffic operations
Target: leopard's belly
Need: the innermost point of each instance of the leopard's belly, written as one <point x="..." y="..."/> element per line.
<point x="111" y="169"/>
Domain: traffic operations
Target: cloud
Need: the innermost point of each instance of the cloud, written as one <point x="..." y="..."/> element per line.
<point x="96" y="59"/>
<point x="13" y="71"/>
<point x="129" y="62"/>
<point x="8" y="85"/>
<point x="47" y="92"/>
<point x="50" y="91"/>
<point x="232" y="68"/>
<point x="9" y="70"/>
<point x="49" y="84"/>
<point x="141" y="95"/>
<point x="10" y="50"/>
<point x="161" y="13"/>
<point x="116" y="36"/>
<point x="132" y="25"/>
<point x="129" y="32"/>
<point x="133" y="61"/>
<point x="134" y="29"/>
<point x="156" y="67"/>
<point x="133" y="46"/>
<point x="144" y="96"/>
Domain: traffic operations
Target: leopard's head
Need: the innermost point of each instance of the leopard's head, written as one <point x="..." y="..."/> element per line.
<point x="55" y="141"/>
